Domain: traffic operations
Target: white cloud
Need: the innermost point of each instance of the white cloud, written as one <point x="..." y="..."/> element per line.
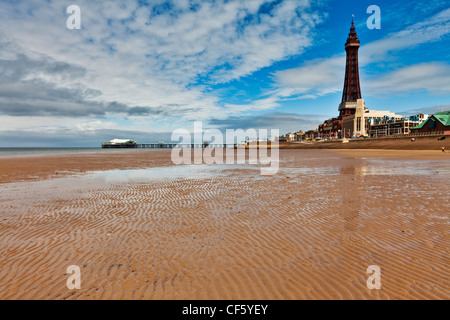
<point x="432" y="77"/>
<point x="96" y="125"/>
<point x="317" y="77"/>
<point x="285" y="122"/>
<point x="148" y="57"/>
<point x="260" y="104"/>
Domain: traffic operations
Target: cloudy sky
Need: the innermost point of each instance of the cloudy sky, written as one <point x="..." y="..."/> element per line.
<point x="141" y="69"/>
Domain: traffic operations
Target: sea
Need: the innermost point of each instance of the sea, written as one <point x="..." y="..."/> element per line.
<point x="26" y="152"/>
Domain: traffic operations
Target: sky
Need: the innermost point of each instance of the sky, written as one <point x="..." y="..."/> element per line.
<point x="140" y="69"/>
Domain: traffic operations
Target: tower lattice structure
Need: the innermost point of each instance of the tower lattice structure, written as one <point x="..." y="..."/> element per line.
<point x="352" y="88"/>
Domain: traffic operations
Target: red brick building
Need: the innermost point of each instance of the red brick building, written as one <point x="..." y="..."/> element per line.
<point x="330" y="128"/>
<point x="312" y="134"/>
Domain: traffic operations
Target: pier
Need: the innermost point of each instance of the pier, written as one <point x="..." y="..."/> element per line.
<point x="162" y="145"/>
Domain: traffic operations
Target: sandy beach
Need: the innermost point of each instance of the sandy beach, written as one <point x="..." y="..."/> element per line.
<point x="141" y="228"/>
<point x="421" y="143"/>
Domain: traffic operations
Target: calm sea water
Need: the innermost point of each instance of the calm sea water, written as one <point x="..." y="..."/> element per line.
<point x="20" y="152"/>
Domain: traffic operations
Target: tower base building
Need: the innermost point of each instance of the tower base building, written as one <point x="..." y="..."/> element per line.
<point x="359" y="124"/>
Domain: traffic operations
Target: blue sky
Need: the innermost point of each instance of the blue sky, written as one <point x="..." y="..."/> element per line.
<point x="141" y="69"/>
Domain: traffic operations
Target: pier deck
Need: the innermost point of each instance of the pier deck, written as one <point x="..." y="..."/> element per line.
<point x="167" y="145"/>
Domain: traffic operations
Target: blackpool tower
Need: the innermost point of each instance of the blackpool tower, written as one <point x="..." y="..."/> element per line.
<point x="352" y="88"/>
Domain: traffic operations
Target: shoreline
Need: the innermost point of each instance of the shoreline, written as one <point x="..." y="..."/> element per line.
<point x="42" y="167"/>
<point x="38" y="152"/>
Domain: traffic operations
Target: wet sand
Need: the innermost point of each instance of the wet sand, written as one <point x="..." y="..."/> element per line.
<point x="51" y="166"/>
<point x="226" y="232"/>
<point x="397" y="154"/>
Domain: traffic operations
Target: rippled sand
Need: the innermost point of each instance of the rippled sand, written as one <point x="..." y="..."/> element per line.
<point x="226" y="232"/>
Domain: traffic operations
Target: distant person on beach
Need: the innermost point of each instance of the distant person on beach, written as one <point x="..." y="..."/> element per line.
<point x="443" y="149"/>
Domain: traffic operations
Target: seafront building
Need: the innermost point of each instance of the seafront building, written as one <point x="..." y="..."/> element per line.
<point x="385" y="126"/>
<point x="291" y="137"/>
<point x="358" y="124"/>
<point x="311" y="134"/>
<point x="438" y="122"/>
